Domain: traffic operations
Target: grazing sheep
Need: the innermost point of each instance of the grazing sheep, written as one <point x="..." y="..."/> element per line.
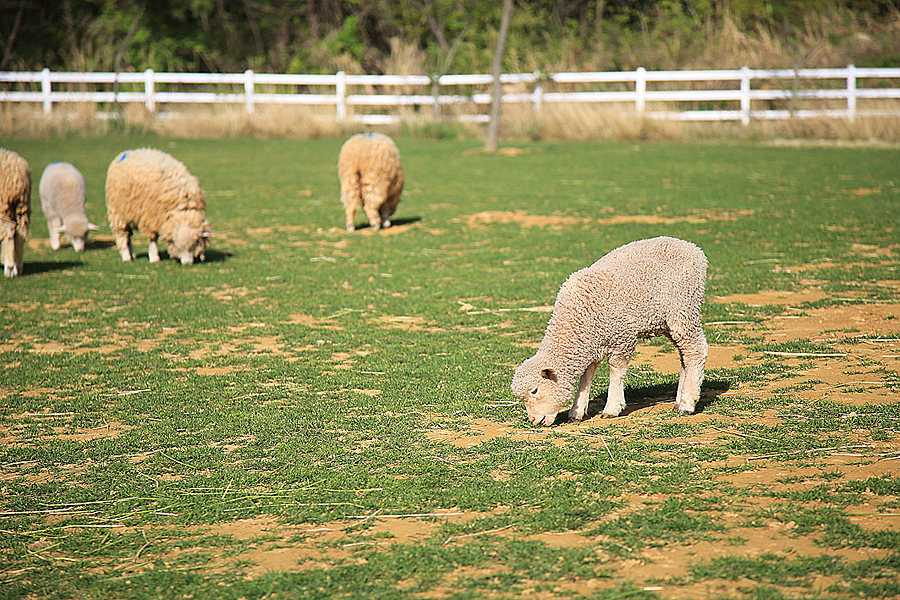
<point x="63" y="195"/>
<point x="371" y="174"/>
<point x="640" y="290"/>
<point x="15" y="210"/>
<point x="149" y="190"/>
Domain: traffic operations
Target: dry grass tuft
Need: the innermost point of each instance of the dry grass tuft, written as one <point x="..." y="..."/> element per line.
<point x="266" y="122"/>
<point x="587" y="122"/>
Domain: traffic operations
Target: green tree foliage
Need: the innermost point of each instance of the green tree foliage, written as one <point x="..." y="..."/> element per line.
<point x="376" y="36"/>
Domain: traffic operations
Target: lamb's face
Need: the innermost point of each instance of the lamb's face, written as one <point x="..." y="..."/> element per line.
<point x="77" y="233"/>
<point x="187" y="238"/>
<point x="540" y="389"/>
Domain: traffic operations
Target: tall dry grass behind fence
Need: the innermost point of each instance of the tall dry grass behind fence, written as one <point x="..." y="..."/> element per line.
<point x="562" y="122"/>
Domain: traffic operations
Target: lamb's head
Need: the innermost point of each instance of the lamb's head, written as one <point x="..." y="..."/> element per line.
<point x="537" y="385"/>
<point x="76" y="230"/>
<point x="186" y="234"/>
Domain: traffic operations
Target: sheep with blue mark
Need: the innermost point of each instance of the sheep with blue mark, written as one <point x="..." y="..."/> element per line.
<point x="371" y="175"/>
<point x="640" y="290"/>
<point x="15" y="211"/>
<point x="153" y="192"/>
<point x="63" y="195"/>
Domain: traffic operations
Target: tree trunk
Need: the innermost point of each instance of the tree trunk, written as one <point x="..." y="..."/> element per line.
<point x="490" y="140"/>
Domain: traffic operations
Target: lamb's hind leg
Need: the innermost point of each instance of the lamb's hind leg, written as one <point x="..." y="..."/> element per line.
<point x="583" y="397"/>
<point x="693" y="351"/>
<point x="350" y="198"/>
<point x="372" y="202"/>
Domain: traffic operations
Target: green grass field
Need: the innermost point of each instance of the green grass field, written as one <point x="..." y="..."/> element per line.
<point x="317" y="414"/>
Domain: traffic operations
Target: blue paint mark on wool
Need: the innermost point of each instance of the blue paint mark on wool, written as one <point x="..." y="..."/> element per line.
<point x="121" y="158"/>
<point x="368" y="135"/>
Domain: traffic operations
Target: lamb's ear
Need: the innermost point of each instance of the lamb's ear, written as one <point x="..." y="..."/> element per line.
<point x="548" y="373"/>
<point x="92" y="227"/>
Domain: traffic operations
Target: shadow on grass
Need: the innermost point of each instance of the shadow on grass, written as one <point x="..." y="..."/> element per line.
<point x="36" y="268"/>
<point x="394" y="223"/>
<point x="99" y="244"/>
<point x="212" y="256"/>
<point x="640" y="398"/>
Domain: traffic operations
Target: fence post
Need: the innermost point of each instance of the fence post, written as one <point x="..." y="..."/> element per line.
<point x="745" y="95"/>
<point x="45" y="90"/>
<point x="851" y="92"/>
<point x="149" y="101"/>
<point x="436" y="98"/>
<point x="537" y="98"/>
<point x="248" y="90"/>
<point x="340" y="90"/>
<point x="640" y="88"/>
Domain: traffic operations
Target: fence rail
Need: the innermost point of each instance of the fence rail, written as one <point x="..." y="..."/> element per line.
<point x="708" y="95"/>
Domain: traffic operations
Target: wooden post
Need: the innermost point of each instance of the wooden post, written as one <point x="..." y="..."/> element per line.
<point x="490" y="140"/>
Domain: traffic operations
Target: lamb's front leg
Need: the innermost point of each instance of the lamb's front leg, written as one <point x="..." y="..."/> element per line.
<point x="123" y="244"/>
<point x="53" y="226"/>
<point x="583" y="397"/>
<point x="615" y="397"/>
<point x="153" y="251"/>
<point x="693" y="361"/>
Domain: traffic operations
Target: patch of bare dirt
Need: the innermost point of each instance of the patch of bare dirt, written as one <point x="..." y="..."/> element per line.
<point x="313" y="322"/>
<point x="405" y="322"/>
<point x="520" y="217"/>
<point x="278" y="547"/>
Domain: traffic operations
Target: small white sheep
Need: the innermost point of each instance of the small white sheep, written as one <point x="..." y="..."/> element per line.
<point x="149" y="190"/>
<point x="63" y="195"/>
<point x="640" y="290"/>
<point x="15" y="210"/>
<point x="371" y="175"/>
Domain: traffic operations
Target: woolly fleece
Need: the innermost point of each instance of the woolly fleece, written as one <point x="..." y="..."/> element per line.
<point x="149" y="190"/>
<point x="372" y="176"/>
<point x="63" y="194"/>
<point x="640" y="290"/>
<point x="15" y="210"/>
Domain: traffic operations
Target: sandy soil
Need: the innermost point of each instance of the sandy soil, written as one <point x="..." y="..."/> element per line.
<point x="866" y="355"/>
<point x="867" y="352"/>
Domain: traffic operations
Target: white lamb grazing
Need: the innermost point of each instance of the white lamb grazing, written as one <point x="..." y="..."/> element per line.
<point x="640" y="290"/>
<point x="151" y="191"/>
<point x="63" y="195"/>
<point x="371" y="174"/>
<point x="15" y="210"/>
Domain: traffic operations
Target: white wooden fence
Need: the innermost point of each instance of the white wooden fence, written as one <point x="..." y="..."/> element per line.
<point x="711" y="95"/>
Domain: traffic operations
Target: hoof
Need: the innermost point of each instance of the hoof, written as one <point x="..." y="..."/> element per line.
<point x="681" y="411"/>
<point x="606" y="416"/>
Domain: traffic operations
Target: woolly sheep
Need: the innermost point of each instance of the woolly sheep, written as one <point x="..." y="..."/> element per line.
<point x="371" y="174"/>
<point x="149" y="190"/>
<point x="15" y="210"/>
<point x="63" y="195"/>
<point x="640" y="290"/>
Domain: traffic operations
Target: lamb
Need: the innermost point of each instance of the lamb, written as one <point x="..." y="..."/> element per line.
<point x="63" y="194"/>
<point x="371" y="174"/>
<point x="15" y="210"/>
<point x="149" y="190"/>
<point x="640" y="290"/>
